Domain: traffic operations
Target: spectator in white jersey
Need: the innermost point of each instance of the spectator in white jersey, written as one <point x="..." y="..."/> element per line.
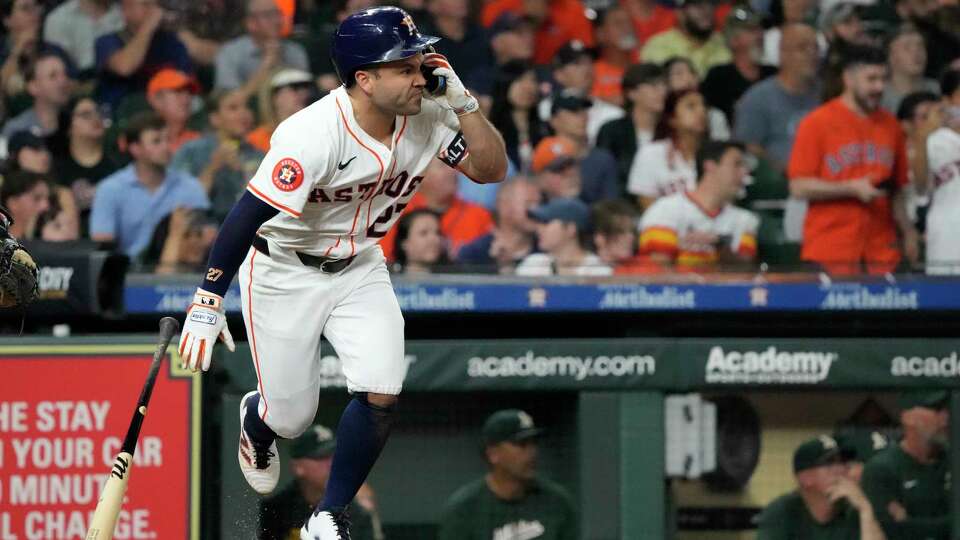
<point x="943" y="183"/>
<point x="667" y="165"/>
<point x="563" y="235"/>
<point x="697" y="229"/>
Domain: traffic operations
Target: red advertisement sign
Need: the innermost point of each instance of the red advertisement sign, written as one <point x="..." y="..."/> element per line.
<point x="63" y="417"/>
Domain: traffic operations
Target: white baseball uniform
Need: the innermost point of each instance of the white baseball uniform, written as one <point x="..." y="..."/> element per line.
<point x="943" y="217"/>
<point x="660" y="169"/>
<point x="338" y="191"/>
<point x="670" y="218"/>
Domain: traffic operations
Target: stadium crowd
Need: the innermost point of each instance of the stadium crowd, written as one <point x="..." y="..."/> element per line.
<point x="644" y="136"/>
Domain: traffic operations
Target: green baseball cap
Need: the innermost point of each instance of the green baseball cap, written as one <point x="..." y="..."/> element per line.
<point x="859" y="444"/>
<point x="509" y="425"/>
<point x="317" y="442"/>
<point x="928" y="399"/>
<point x="820" y="450"/>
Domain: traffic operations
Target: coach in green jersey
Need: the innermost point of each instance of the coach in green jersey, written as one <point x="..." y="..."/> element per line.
<point x="827" y="504"/>
<point x="909" y="482"/>
<point x="510" y="501"/>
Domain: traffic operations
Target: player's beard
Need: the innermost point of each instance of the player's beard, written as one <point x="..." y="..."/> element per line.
<point x="868" y="102"/>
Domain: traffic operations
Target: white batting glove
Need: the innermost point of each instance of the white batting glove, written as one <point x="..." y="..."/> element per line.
<point x="456" y="97"/>
<point x="205" y="322"/>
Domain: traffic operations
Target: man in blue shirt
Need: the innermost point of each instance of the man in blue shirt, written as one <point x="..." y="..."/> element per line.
<point x="130" y="203"/>
<point x="128" y="59"/>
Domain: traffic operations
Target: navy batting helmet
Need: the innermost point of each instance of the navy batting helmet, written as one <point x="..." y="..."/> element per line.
<point x="375" y="36"/>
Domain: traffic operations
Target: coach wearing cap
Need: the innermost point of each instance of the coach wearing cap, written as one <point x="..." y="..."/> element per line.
<point x="826" y="504"/>
<point x="563" y="236"/>
<point x="510" y="501"/>
<point x="282" y="515"/>
<point x="909" y="482"/>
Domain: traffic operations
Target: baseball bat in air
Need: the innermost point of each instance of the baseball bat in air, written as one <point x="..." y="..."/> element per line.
<point x="111" y="498"/>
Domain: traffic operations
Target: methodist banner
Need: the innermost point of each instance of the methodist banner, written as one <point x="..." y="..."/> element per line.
<point x="665" y="364"/>
<point x="64" y="411"/>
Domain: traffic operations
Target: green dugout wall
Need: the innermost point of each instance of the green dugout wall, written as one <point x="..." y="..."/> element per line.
<point x="601" y="400"/>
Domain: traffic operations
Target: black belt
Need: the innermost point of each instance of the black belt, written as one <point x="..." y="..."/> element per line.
<point x="324" y="264"/>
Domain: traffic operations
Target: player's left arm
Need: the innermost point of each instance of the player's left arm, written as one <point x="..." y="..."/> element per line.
<point x="486" y="161"/>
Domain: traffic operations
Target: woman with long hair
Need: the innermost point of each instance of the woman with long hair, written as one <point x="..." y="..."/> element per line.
<point x="288" y="91"/>
<point x="80" y="159"/>
<point x="419" y="247"/>
<point x="513" y="111"/>
<point x="668" y="164"/>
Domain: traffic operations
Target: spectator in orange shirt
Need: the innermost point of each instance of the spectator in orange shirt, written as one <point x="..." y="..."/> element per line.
<point x="461" y="222"/>
<point x="556" y="21"/>
<point x="169" y="93"/>
<point x="649" y="17"/>
<point x="288" y="91"/>
<point x="849" y="160"/>
<point x="617" y="48"/>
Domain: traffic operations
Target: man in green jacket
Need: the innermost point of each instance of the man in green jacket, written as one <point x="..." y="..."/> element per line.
<point x="827" y="504"/>
<point x="510" y="501"/>
<point x="909" y="482"/>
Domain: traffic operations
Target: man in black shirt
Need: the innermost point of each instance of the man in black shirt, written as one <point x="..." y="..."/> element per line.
<point x="725" y="83"/>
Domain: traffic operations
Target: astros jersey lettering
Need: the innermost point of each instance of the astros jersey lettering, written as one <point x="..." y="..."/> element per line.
<point x="340" y="189"/>
<point x="835" y="144"/>
<point x="670" y="218"/>
<point x="943" y="220"/>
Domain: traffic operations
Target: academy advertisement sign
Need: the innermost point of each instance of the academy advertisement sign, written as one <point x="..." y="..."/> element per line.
<point x="768" y="366"/>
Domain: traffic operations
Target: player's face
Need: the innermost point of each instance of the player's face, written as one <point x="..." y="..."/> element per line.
<point x="932" y="425"/>
<point x="866" y="83"/>
<point x="397" y="87"/>
<point x="424" y="243"/>
<point x="517" y="459"/>
<point x="827" y="475"/>
<point x="313" y="472"/>
<point x="690" y="116"/>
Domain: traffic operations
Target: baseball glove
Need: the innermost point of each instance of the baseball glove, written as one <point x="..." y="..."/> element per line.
<point x="18" y="272"/>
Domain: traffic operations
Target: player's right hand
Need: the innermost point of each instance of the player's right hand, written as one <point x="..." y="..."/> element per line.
<point x="864" y="190"/>
<point x="205" y="322"/>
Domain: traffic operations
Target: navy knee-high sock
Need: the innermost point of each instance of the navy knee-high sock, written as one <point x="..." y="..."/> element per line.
<point x="361" y="435"/>
<point x="256" y="428"/>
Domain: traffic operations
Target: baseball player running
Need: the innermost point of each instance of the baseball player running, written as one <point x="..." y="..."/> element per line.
<point x="304" y="239"/>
